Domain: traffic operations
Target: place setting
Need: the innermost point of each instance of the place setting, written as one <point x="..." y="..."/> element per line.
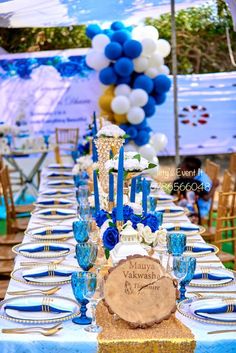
<point x="61" y="183"/>
<point x="60" y="167"/>
<point x="57" y="193"/>
<point x="55" y="232"/>
<point x="187" y="228"/>
<point x="54" y="202"/>
<point x="54" y="213"/>
<point x="171" y="211"/>
<point x="43" y="250"/>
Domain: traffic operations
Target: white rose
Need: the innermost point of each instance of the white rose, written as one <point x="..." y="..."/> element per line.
<point x="161" y="236"/>
<point x="148" y="236"/>
<point x="109" y="164"/>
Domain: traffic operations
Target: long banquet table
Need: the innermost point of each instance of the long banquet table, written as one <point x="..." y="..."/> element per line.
<point x="74" y="339"/>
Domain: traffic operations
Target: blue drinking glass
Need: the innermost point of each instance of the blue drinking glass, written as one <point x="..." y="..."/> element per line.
<point x="191" y="267"/>
<point x="159" y="216"/>
<point x="76" y="180"/>
<point x="81" y="229"/>
<point x="78" y="282"/>
<point x="84" y="211"/>
<point x="86" y="254"/>
<point x="152" y="204"/>
<point x="176" y="243"/>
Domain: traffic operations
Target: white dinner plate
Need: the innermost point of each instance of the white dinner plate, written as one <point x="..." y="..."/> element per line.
<point x="52" y="202"/>
<point x="64" y="249"/>
<point x="57" y="193"/>
<point x="51" y="232"/>
<point x="43" y="317"/>
<point x="55" y="213"/>
<point x="59" y="184"/>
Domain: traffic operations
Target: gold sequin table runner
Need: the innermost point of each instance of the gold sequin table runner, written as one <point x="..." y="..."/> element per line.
<point x="170" y="336"/>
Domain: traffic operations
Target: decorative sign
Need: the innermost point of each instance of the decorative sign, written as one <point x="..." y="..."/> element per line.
<point x="140" y="292"/>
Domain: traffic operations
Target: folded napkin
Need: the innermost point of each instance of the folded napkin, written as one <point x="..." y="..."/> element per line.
<point x="53" y="202"/>
<point x="216" y="310"/>
<point x="57" y="192"/>
<point x="43" y="247"/>
<point x="44" y="271"/>
<point x="54" y="231"/>
<point x="169" y="210"/>
<point x="164" y="197"/>
<point x="180" y="227"/>
<point x="54" y="213"/>
<point x="199" y="249"/>
<point x="68" y="182"/>
<point x="60" y="166"/>
<point x="214" y="276"/>
<point x="60" y="175"/>
<point x="36" y="308"/>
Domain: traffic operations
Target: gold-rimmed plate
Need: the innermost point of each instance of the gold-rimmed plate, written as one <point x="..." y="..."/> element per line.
<point x="190" y="249"/>
<point x="57" y="232"/>
<point x="205" y="282"/>
<point x="182" y="227"/>
<point x="42" y="317"/>
<point x="188" y="306"/>
<point x="57" y="193"/>
<point x="44" y="250"/>
<point x="61" y="184"/>
<point x="19" y="275"/>
<point x="60" y="167"/>
<point x="54" y="203"/>
<point x="54" y="213"/>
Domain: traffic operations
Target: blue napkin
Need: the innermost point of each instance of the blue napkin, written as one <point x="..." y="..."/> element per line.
<point x="46" y="273"/>
<point x="169" y="210"/>
<point x="59" y="175"/>
<point x="55" y="231"/>
<point x="184" y="228"/>
<point x="219" y="310"/>
<point x="54" y="213"/>
<point x="211" y="276"/>
<point x="35" y="308"/>
<point x="58" y="192"/>
<point x="53" y="202"/>
<point x="198" y="249"/>
<point x="48" y="247"/>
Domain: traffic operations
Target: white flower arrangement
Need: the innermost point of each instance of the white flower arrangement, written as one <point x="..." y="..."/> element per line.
<point x="83" y="163"/>
<point x="133" y="161"/>
<point x="111" y="130"/>
<point x="146" y="235"/>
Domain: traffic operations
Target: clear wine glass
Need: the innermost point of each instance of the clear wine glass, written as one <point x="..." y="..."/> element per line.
<point x="94" y="292"/>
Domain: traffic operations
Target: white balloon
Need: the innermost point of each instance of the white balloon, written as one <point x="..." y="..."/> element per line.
<point x="140" y="64"/>
<point x="149" y="46"/>
<point x="96" y="60"/>
<point x="137" y="33"/>
<point x="120" y="105"/>
<point x="163" y="47"/>
<point x="100" y="41"/>
<point x="152" y="72"/>
<point x="156" y="60"/>
<point x="138" y="97"/>
<point x="131" y="147"/>
<point x="122" y="90"/>
<point x="163" y="69"/>
<point x="159" y="141"/>
<point x="147" y="151"/>
<point x="150" y="32"/>
<point x="153" y="171"/>
<point x="135" y="115"/>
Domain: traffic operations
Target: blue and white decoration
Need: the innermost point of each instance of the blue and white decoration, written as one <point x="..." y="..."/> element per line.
<point x="130" y="62"/>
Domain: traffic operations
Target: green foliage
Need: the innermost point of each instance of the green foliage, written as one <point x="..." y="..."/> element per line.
<point x="201" y="38"/>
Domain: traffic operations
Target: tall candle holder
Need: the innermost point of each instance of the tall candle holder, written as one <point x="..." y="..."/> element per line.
<point x="104" y="145"/>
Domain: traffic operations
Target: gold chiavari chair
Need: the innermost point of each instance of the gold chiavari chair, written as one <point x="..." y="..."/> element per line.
<point x="14" y="224"/>
<point x="232" y="167"/>
<point x="225" y="223"/>
<point x="67" y="141"/>
<point x="3" y="287"/>
<point x="212" y="170"/>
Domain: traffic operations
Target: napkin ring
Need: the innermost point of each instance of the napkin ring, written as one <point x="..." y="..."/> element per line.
<point x="188" y="248"/>
<point x="46" y="304"/>
<point x="177" y="228"/>
<point x="48" y="231"/>
<point x="205" y="273"/>
<point x="46" y="247"/>
<point x="230" y="305"/>
<point x="51" y="269"/>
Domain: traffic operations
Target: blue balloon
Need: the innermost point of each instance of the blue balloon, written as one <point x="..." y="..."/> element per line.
<point x="160" y="98"/>
<point x="142" y="125"/>
<point x="121" y="36"/>
<point x="108" y="32"/>
<point x="117" y="25"/>
<point x="162" y="83"/>
<point x="142" y="138"/>
<point x="132" y="132"/>
<point x="129" y="28"/>
<point x="113" y="50"/>
<point x="121" y="80"/>
<point x="149" y="108"/>
<point x="92" y="30"/>
<point x="107" y="76"/>
<point x="124" y="127"/>
<point x="144" y="82"/>
<point x="132" y="48"/>
<point x="124" y="67"/>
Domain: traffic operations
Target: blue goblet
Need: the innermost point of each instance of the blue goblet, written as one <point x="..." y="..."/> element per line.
<point x="81" y="230"/>
<point x="85" y="211"/>
<point x="78" y="282"/>
<point x="176" y="243"/>
<point x="159" y="216"/>
<point x="86" y="254"/>
<point x="191" y="267"/>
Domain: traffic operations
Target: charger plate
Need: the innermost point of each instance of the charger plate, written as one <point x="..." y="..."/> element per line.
<point x="204" y="283"/>
<point x="34" y="233"/>
<point x="44" y="254"/>
<point x="41" y="320"/>
<point x="184" y="308"/>
<point x="17" y="275"/>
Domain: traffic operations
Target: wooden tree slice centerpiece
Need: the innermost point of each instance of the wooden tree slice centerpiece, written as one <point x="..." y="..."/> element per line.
<point x="140" y="292"/>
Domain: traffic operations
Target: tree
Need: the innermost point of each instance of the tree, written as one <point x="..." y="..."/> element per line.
<point x="201" y="38"/>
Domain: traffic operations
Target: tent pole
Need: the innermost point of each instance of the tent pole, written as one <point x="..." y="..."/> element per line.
<point x="175" y="86"/>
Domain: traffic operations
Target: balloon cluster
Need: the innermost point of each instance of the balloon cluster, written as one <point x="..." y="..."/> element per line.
<point x="130" y="61"/>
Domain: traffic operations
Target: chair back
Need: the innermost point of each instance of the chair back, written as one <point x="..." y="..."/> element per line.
<point x="227" y="182"/>
<point x="8" y="198"/>
<point x="226" y="220"/>
<point x="232" y="163"/>
<point x="66" y="140"/>
<point x="212" y="169"/>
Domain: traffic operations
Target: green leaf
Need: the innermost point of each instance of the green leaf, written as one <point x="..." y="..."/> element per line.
<point x="111" y="224"/>
<point x="107" y="253"/>
<point x="151" y="165"/>
<point x="125" y="174"/>
<point x="126" y="136"/>
<point x="138" y="157"/>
